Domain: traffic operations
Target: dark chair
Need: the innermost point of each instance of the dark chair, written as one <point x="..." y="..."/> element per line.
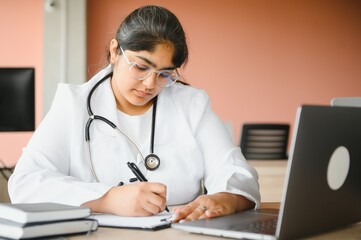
<point x="265" y="141"/>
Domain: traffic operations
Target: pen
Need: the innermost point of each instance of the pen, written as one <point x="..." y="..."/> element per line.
<point x="136" y="171"/>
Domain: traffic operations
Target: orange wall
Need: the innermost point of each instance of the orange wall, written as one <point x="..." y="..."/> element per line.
<point x="21" y="44"/>
<point x="258" y="60"/>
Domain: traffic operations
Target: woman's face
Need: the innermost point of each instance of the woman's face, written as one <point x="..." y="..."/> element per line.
<point x="134" y="96"/>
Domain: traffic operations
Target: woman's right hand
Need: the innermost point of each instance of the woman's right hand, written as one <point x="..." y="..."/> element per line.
<point x="137" y="199"/>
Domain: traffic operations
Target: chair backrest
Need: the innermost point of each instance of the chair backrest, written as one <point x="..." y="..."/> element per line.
<point x="265" y="141"/>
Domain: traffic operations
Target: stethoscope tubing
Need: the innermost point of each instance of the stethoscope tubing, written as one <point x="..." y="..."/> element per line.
<point x="90" y="112"/>
<point x="93" y="117"/>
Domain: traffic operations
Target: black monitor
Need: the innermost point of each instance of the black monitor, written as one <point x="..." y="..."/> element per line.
<point x="17" y="99"/>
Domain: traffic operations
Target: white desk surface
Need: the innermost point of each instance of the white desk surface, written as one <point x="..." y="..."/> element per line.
<point x="269" y="168"/>
<point x="351" y="232"/>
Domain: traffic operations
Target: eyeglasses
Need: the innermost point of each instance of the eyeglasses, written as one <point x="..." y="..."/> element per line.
<point x="165" y="78"/>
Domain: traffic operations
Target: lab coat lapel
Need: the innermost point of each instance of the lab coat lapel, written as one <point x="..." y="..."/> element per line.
<point x="165" y="115"/>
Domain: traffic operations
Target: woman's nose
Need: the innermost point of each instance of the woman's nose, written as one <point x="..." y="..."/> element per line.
<point x="151" y="80"/>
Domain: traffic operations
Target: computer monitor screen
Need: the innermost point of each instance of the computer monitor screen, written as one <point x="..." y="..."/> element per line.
<point x="17" y="99"/>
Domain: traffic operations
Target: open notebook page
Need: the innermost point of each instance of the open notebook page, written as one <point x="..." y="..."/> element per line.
<point x="155" y="222"/>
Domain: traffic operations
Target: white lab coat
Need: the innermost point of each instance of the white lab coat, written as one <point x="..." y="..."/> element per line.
<point x="191" y="141"/>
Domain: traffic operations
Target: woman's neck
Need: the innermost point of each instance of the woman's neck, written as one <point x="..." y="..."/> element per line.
<point x="132" y="110"/>
<point x="126" y="107"/>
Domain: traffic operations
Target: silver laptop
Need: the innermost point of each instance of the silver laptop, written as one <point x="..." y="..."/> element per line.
<point x="322" y="184"/>
<point x="346" y="101"/>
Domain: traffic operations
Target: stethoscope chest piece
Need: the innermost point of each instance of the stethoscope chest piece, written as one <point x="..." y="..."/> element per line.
<point x="152" y="162"/>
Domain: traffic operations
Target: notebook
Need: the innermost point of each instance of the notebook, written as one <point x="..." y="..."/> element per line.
<point x="322" y="183"/>
<point x="41" y="212"/>
<point x="14" y="230"/>
<point x="155" y="222"/>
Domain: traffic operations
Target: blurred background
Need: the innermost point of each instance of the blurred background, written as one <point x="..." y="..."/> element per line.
<point x="257" y="59"/>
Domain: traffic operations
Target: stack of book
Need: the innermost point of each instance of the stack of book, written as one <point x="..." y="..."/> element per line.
<point x="34" y="220"/>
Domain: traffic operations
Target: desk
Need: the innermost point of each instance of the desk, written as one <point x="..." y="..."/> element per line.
<point x="353" y="232"/>
<point x="349" y="233"/>
<point x="271" y="182"/>
<point x="271" y="178"/>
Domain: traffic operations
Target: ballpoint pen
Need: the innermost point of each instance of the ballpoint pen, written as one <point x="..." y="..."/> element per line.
<point x="139" y="175"/>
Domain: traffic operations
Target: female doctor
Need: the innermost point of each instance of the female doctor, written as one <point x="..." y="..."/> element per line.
<point x="135" y="111"/>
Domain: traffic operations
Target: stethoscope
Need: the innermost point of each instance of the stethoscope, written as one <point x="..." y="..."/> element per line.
<point x="151" y="161"/>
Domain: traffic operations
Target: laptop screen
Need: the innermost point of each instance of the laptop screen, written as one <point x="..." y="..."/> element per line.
<point x="323" y="188"/>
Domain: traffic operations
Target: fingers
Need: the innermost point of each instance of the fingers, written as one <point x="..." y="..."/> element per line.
<point x="207" y="206"/>
<point x="155" y="203"/>
<point x="213" y="212"/>
<point x="192" y="211"/>
<point x="157" y="188"/>
<point x="198" y="213"/>
<point x="201" y="212"/>
<point x="151" y="197"/>
<point x="188" y="214"/>
<point x="138" y="199"/>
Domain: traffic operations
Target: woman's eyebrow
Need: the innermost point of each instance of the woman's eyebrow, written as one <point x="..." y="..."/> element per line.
<point x="153" y="64"/>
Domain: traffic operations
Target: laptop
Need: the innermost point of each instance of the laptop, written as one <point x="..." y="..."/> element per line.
<point x="322" y="183"/>
<point x="346" y="101"/>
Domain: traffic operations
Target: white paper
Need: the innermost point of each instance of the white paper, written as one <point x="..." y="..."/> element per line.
<point x="151" y="222"/>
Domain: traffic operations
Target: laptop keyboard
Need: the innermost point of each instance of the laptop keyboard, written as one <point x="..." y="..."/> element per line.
<point x="263" y="226"/>
<point x="266" y="226"/>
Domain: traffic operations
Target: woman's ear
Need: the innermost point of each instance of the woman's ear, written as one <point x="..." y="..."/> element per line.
<point x="113" y="51"/>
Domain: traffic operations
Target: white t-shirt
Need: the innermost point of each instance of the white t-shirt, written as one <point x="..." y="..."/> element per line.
<point x="137" y="128"/>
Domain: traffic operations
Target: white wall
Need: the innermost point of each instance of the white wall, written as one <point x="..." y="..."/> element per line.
<point x="64" y="45"/>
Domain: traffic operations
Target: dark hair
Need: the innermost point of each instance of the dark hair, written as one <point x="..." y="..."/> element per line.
<point x="149" y="26"/>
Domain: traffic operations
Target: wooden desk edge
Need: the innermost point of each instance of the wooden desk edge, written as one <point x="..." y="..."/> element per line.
<point x="273" y="205"/>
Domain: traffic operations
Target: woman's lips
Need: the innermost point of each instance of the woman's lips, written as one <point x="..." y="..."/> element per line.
<point x="142" y="94"/>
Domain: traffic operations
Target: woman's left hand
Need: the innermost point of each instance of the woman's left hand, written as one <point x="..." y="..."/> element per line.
<point x="209" y="206"/>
